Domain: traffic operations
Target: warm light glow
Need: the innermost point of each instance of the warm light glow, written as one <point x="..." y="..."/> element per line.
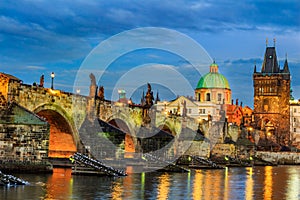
<point x="54" y="92"/>
<point x="52" y="75"/>
<point x="78" y="91"/>
<point x="198" y="184"/>
<point x="293" y="186"/>
<point x="60" y="176"/>
<point x="164" y="186"/>
<point x="226" y="184"/>
<point x="269" y="134"/>
<point x="117" y="190"/>
<point x="249" y="183"/>
<point x="268" y="183"/>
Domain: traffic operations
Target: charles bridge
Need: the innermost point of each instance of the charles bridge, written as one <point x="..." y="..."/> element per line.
<point x="67" y="112"/>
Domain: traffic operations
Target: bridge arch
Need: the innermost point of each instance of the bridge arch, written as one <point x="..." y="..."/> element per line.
<point x="64" y="139"/>
<point x="168" y="126"/>
<point x="129" y="141"/>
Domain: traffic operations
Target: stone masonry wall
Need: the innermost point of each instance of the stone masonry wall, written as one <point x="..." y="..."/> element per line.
<point x="24" y="142"/>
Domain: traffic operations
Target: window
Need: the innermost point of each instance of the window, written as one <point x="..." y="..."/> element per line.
<point x="219" y="97"/>
<point x="201" y="111"/>
<point x="190" y="110"/>
<point x="295" y="119"/>
<point x="295" y="110"/>
<point x="207" y="96"/>
<point x="295" y="129"/>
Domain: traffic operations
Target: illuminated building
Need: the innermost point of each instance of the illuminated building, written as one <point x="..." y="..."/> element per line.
<point x="271" y="98"/>
<point x="295" y="122"/>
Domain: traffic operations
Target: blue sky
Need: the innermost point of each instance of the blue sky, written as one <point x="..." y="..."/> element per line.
<point x="38" y="37"/>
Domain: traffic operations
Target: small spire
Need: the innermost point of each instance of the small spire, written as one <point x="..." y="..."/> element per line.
<point x="274" y="41"/>
<point x="286" y="66"/>
<point x="157" y="98"/>
<point x="266" y="42"/>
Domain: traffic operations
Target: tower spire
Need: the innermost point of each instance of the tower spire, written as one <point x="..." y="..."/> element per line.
<point x="266" y="42"/>
<point x="286" y="66"/>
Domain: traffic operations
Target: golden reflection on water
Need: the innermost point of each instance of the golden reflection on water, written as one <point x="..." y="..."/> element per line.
<point x="268" y="183"/>
<point x="226" y="181"/>
<point x="207" y="184"/>
<point x="249" y="184"/>
<point x="293" y="186"/>
<point x="198" y="184"/>
<point x="117" y="191"/>
<point x="59" y="185"/>
<point x="163" y="186"/>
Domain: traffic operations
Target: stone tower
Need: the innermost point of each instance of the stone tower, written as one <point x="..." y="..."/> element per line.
<point x="271" y="98"/>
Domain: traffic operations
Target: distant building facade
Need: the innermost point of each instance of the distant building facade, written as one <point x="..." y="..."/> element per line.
<point x="271" y="98"/>
<point x="295" y="123"/>
<point x="212" y="99"/>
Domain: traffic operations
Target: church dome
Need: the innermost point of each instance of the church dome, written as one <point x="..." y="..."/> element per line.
<point x="213" y="79"/>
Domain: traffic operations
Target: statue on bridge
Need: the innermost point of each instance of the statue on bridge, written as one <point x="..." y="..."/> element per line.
<point x="149" y="96"/>
<point x="42" y="80"/>
<point x="149" y="102"/>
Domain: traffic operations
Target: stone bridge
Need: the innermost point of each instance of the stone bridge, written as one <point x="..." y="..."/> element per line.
<point x="65" y="112"/>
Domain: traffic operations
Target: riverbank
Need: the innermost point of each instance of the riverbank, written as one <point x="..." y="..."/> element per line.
<point x="281" y="158"/>
<point x="26" y="166"/>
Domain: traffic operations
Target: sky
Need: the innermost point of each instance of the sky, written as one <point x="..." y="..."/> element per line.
<point x="39" y="37"/>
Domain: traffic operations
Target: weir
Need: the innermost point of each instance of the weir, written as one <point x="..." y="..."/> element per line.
<point x="97" y="165"/>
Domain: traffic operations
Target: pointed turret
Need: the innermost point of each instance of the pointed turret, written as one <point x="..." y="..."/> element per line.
<point x="286" y="67"/>
<point x="270" y="64"/>
<point x="255" y="68"/>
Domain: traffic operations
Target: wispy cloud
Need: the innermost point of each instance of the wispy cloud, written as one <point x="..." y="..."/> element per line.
<point x="35" y="68"/>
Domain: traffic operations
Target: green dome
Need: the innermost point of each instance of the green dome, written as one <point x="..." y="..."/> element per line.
<point x="213" y="79"/>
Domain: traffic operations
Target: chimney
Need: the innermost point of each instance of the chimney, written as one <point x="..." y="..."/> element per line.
<point x="237" y="102"/>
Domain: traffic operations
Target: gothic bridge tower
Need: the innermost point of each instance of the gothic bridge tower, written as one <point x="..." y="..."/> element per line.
<point x="271" y="98"/>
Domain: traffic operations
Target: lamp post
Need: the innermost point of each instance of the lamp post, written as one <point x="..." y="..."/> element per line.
<point x="52" y="78"/>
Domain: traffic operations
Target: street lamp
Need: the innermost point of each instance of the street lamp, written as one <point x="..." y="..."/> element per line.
<point x="52" y="78"/>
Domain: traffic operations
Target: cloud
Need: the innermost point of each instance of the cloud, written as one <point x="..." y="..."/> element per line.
<point x="59" y="34"/>
<point x="35" y="68"/>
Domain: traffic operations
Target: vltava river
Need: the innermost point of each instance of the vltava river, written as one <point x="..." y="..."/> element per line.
<point x="282" y="182"/>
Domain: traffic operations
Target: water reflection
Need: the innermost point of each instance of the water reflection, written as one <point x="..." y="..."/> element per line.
<point x="293" y="184"/>
<point x="59" y="184"/>
<point x="268" y="183"/>
<point x="282" y="182"/>
<point x="163" y="186"/>
<point x="226" y="183"/>
<point x="249" y="184"/>
<point x="198" y="186"/>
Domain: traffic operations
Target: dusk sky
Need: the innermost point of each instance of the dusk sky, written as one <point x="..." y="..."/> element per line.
<point x="38" y="37"/>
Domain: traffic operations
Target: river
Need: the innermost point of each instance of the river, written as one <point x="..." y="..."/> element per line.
<point x="280" y="182"/>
